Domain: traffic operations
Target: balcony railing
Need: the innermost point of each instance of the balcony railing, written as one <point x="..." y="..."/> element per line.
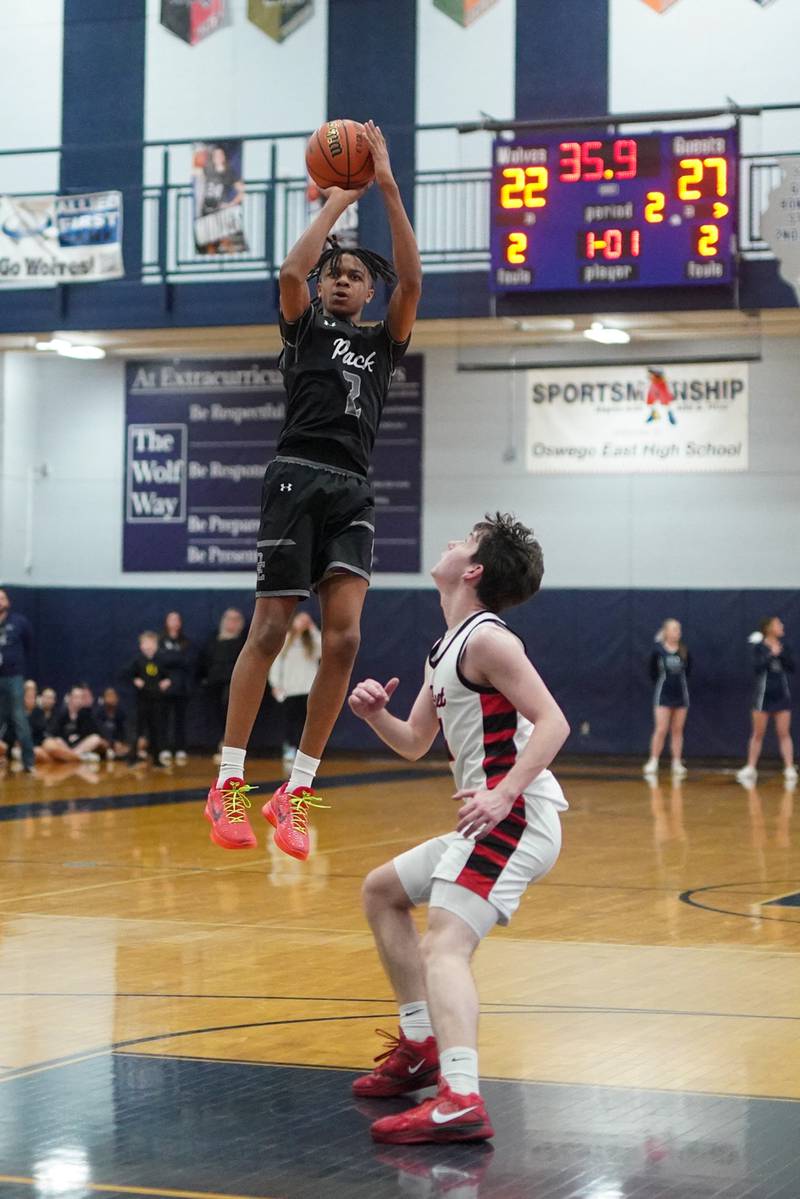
<point x="451" y="205"/>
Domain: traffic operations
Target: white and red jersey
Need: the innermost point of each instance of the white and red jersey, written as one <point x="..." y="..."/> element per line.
<point x="483" y="730"/>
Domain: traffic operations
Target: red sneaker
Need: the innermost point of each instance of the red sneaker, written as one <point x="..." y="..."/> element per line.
<point x="446" y="1117"/>
<point x="225" y="809"/>
<point x="404" y="1066"/>
<point x="287" y="811"/>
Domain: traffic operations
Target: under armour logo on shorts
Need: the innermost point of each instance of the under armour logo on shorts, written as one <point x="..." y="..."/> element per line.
<point x="286" y="487"/>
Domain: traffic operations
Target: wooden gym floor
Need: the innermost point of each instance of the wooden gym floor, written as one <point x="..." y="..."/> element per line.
<point x="180" y="1021"/>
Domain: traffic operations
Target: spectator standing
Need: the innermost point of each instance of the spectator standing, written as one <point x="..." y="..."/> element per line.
<point x="16" y="642"/>
<point x="291" y="678"/>
<point x="217" y="661"/>
<point x="174" y="653"/>
<point x="151" y="681"/>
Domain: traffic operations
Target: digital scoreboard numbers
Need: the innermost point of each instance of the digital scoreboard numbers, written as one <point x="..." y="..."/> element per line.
<point x="585" y="213"/>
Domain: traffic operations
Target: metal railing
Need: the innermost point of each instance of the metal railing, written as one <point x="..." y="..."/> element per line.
<point x="451" y="204"/>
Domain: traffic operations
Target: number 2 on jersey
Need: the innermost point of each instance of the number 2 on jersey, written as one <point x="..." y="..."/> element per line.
<point x="352" y="408"/>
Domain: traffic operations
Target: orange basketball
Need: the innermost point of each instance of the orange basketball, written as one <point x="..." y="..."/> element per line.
<point x="337" y="155"/>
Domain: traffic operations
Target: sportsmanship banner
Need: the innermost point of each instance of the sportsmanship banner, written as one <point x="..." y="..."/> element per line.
<point x="635" y="420"/>
<point x="45" y="240"/>
<point x="199" y="435"/>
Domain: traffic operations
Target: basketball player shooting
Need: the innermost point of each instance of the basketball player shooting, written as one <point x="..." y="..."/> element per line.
<point x="317" y="507"/>
<point x="502" y="728"/>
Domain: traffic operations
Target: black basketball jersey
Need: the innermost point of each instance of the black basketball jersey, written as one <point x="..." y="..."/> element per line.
<point x="337" y="376"/>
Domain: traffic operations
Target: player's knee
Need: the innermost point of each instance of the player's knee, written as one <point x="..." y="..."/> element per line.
<point x="375" y="892"/>
<point x="268" y="638"/>
<point x="341" y="644"/>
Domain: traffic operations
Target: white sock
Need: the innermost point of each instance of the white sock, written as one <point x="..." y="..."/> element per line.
<point x="459" y="1069"/>
<point x="415" y="1020"/>
<point x="303" y="771"/>
<point x="231" y="765"/>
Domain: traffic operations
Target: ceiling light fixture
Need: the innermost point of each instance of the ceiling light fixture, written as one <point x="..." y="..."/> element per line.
<point x="606" y="335"/>
<point x="66" y="349"/>
<point x="87" y="352"/>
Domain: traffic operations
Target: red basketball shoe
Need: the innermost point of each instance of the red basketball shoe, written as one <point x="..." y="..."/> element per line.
<point x="225" y="810"/>
<point x="446" y="1117"/>
<point x="287" y="811"/>
<point x="404" y="1066"/>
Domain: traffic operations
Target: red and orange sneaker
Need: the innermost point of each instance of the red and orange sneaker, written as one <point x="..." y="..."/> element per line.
<point x="446" y="1117"/>
<point x="225" y="810"/>
<point x="404" y="1066"/>
<point x="287" y="811"/>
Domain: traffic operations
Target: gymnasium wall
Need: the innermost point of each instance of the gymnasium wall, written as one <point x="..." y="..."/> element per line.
<point x="703" y="53"/>
<point x="31" y="54"/>
<point x="610" y="531"/>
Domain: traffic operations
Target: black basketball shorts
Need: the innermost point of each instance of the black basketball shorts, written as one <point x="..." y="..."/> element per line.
<point x="315" y="521"/>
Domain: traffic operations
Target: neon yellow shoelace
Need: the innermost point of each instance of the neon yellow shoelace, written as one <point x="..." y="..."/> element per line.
<point x="300" y="806"/>
<point x="235" y="801"/>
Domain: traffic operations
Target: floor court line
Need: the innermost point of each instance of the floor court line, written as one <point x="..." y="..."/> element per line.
<point x="105" y="1188"/>
<point x="487" y="1008"/>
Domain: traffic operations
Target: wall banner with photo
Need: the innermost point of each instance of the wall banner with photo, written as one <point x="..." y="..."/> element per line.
<point x="218" y="191"/>
<point x="199" y="435"/>
<point x="637" y="420"/>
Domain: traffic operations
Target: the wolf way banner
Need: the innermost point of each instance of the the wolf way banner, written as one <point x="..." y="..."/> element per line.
<point x="219" y="201"/>
<point x="198" y="437"/>
<point x="45" y="240"/>
<point x="635" y="420"/>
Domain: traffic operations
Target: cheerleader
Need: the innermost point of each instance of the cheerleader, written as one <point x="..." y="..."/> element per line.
<point x="772" y="663"/>
<point x="670" y="664"/>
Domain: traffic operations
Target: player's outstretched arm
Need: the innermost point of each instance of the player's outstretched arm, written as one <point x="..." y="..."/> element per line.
<point x="304" y="254"/>
<point x="409" y="738"/>
<point x="402" y="310"/>
<point x="496" y="658"/>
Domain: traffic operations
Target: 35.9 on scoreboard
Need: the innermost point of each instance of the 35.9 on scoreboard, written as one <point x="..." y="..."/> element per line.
<point x="583" y="213"/>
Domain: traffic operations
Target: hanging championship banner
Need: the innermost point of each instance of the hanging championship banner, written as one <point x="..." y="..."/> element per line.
<point x="464" y="11"/>
<point x="637" y="420"/>
<point x="218" y="192"/>
<point x="780" y="224"/>
<point x="45" y="240"/>
<point x="279" y="18"/>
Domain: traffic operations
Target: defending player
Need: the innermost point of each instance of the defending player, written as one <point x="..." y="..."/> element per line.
<point x="503" y="728"/>
<point x="317" y="508"/>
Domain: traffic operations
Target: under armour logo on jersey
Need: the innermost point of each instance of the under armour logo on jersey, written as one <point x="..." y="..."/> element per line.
<point x="329" y="324"/>
<point x="286" y="486"/>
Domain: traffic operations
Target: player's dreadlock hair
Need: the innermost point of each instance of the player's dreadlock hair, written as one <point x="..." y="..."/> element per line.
<point x="512" y="562"/>
<point x="331" y="256"/>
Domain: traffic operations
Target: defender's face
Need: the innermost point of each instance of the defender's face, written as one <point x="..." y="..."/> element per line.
<point x="776" y="628"/>
<point x="672" y="630"/>
<point x="347" y="290"/>
<point x="455" y="560"/>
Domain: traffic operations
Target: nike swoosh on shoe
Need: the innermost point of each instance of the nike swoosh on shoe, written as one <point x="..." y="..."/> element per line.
<point x="447" y="1117"/>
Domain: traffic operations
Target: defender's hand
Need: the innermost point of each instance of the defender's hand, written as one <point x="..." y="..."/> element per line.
<point x="369" y="698"/>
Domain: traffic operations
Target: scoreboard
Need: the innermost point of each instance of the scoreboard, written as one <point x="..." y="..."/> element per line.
<point x="650" y="210"/>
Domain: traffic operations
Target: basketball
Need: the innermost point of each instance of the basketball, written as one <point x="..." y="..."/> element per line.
<point x="337" y="155"/>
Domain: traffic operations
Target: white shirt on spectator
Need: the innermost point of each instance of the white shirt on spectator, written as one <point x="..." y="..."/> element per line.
<point x="294" y="670"/>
